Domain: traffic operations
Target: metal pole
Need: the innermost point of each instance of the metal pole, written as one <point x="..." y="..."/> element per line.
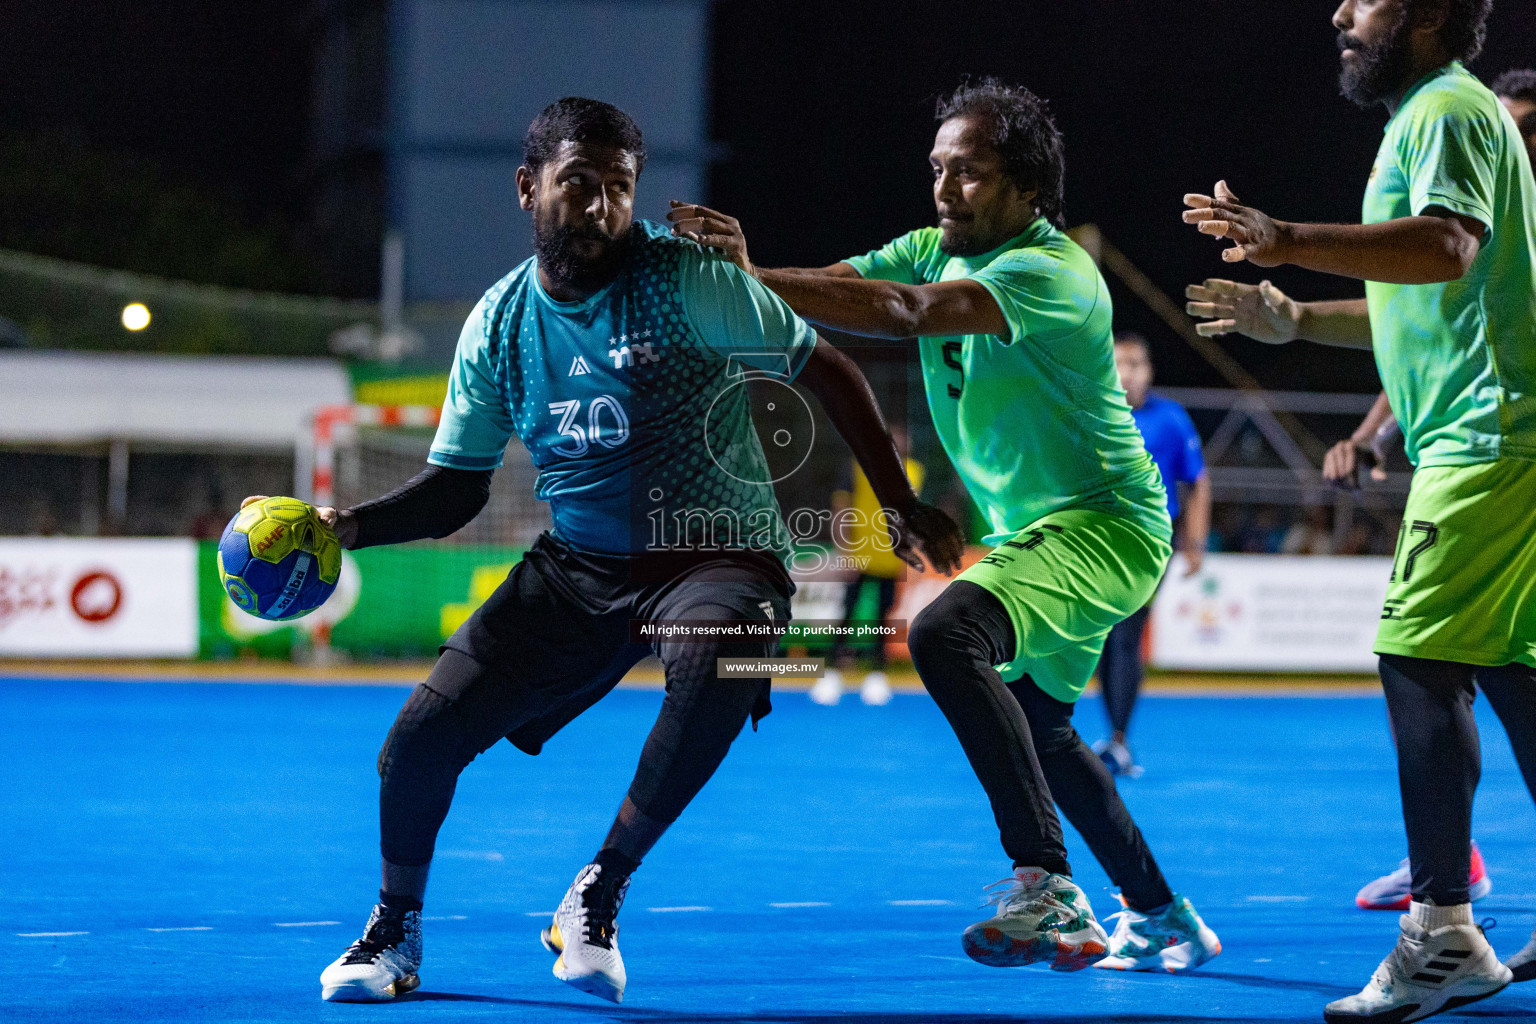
<point x="117" y="485"/>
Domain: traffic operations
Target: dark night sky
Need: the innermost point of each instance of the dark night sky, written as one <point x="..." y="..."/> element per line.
<point x="825" y="113"/>
<point x="215" y="90"/>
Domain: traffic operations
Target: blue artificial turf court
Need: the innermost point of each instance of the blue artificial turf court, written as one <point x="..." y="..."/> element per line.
<point x="200" y="851"/>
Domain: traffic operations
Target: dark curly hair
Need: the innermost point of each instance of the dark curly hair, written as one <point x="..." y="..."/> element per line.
<point x="1519" y="84"/>
<point x="1022" y="132"/>
<point x="1465" y="29"/>
<point x="575" y="119"/>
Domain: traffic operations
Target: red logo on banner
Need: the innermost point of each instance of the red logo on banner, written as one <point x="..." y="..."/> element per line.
<point x="97" y="596"/>
<point x="24" y="591"/>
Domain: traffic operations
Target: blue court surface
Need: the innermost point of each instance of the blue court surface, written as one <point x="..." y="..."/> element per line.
<point x="199" y="852"/>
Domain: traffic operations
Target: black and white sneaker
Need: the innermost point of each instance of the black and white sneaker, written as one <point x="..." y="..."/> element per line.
<point x="586" y="934"/>
<point x="379" y="966"/>
<point x="1427" y="972"/>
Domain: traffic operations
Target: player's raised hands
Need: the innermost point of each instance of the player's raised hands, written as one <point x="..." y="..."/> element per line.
<point x="927" y="528"/>
<point x="1259" y="311"/>
<point x="712" y="228"/>
<point x="1259" y="239"/>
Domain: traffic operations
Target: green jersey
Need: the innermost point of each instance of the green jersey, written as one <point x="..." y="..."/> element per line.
<point x="1035" y="421"/>
<point x="1458" y="359"/>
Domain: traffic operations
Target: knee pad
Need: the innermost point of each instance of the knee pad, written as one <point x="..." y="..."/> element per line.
<point x="424" y="733"/>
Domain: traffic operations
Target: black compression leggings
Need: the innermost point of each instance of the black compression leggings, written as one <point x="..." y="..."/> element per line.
<point x="1439" y="758"/>
<point x="434" y="737"/>
<point x="1120" y="669"/>
<point x="1023" y="748"/>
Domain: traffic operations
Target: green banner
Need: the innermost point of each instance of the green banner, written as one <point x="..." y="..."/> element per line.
<point x="392" y="602"/>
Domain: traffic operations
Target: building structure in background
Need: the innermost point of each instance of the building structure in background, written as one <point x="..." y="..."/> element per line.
<point x="420" y="108"/>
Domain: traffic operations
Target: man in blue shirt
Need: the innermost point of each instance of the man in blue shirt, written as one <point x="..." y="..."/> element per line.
<point x="620" y="357"/>
<point x="1174" y="445"/>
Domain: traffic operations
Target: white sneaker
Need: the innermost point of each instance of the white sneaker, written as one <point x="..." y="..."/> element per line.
<point x="1175" y="940"/>
<point x="1427" y="972"/>
<point x="1523" y="964"/>
<point x="828" y="690"/>
<point x="1117" y="758"/>
<point x="586" y="935"/>
<point x="379" y="966"/>
<point x="1394" y="890"/>
<point x="1040" y="916"/>
<point x="876" y="689"/>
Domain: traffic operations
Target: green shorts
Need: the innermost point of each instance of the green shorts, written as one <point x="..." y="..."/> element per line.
<point x="1464" y="576"/>
<point x="1066" y="579"/>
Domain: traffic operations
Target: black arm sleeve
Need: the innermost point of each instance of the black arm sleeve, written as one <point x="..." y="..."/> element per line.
<point x="433" y="503"/>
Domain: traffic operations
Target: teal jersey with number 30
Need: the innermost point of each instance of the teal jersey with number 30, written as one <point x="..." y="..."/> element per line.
<point x="1035" y="421"/>
<point x="632" y="401"/>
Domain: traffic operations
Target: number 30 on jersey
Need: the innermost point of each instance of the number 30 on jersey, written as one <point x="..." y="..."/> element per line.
<point x="581" y="438"/>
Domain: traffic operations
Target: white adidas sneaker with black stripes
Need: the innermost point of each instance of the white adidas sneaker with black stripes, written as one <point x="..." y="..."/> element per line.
<point x="1427" y="972"/>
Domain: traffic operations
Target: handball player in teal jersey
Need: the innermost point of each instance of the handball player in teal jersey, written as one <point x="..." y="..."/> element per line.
<point x="616" y="355"/>
<point x="1013" y="328"/>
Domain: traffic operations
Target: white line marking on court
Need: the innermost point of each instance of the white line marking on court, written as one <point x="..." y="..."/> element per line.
<point x="677" y="910"/>
<point x="302" y="924"/>
<point x="447" y="917"/>
<point x="918" y="903"/>
<point x="1263" y="960"/>
<point x="538" y="913"/>
<point x="809" y="903"/>
<point x="193" y="928"/>
<point x="491" y="855"/>
<point x="1277" y="899"/>
<point x="46" y="935"/>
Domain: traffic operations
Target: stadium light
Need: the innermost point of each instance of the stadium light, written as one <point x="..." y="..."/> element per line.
<point x="135" y="316"/>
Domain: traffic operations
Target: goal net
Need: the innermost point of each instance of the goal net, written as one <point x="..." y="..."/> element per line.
<point x="358" y="452"/>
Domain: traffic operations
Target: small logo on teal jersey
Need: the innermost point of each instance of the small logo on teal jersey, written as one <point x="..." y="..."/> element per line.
<point x="627" y="350"/>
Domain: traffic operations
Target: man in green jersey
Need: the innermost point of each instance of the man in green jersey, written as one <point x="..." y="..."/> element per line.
<point x="1446" y="249"/>
<point x="1265" y="313"/>
<point x="1012" y="322"/>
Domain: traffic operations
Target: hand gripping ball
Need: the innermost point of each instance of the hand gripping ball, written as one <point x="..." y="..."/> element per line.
<point x="277" y="560"/>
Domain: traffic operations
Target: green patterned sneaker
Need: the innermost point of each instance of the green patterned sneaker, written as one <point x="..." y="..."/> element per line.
<point x="1040" y="916"/>
<point x="1174" y="940"/>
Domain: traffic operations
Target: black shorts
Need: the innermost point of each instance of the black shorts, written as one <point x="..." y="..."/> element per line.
<point x="558" y="628"/>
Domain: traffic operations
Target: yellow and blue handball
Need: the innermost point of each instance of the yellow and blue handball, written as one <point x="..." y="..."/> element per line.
<point x="277" y="560"/>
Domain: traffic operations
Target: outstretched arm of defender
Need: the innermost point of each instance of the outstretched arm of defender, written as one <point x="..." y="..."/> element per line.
<point x="1437" y="246"/>
<point x="839" y="298"/>
<point x="1265" y="313"/>
<point x="845" y="394"/>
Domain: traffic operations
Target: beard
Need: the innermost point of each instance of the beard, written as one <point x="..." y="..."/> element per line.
<point x="555" y="247"/>
<point x="963" y="243"/>
<point x="1377" y="71"/>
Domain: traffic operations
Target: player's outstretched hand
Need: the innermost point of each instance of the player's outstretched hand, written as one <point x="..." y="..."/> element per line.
<point x="1261" y="312"/>
<point x="1259" y="240"/>
<point x="931" y="531"/>
<point x="345" y="527"/>
<point x="712" y="228"/>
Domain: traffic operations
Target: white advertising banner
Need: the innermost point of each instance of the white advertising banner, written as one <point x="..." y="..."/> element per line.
<point x="82" y="597"/>
<point x="1270" y="613"/>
